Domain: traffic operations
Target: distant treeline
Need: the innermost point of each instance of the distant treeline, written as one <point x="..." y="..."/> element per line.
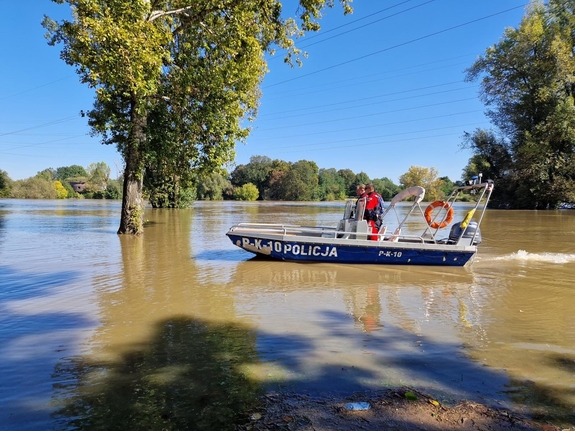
<point x="260" y="179"/>
<point x="92" y="182"/>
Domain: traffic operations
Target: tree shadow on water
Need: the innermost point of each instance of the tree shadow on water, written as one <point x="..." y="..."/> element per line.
<point x="195" y="375"/>
<point x="190" y="376"/>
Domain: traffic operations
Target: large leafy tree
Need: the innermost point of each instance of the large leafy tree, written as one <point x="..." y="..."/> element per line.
<point x="190" y="68"/>
<point x="38" y="187"/>
<point x="493" y="159"/>
<point x="348" y="177"/>
<point x="212" y="188"/>
<point x="300" y="181"/>
<point x="98" y="175"/>
<point x="278" y="174"/>
<point x="247" y="192"/>
<point x="331" y="186"/>
<point x="386" y="188"/>
<point x="528" y="84"/>
<point x="425" y="177"/>
<point x="67" y="172"/>
<point x="257" y="172"/>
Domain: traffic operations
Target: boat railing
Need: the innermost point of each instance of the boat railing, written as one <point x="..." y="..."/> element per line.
<point x="329" y="232"/>
<point x="283" y="229"/>
<point x="484" y="190"/>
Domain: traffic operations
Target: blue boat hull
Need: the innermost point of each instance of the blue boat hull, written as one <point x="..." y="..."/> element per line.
<point x="379" y="253"/>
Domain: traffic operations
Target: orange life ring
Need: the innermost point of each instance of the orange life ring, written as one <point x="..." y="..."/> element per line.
<point x="448" y="218"/>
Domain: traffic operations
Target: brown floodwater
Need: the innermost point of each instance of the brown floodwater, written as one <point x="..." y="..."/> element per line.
<point x="180" y="329"/>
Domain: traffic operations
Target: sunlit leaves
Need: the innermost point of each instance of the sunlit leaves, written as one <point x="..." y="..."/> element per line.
<point x="528" y="82"/>
<point x="61" y="192"/>
<point x="428" y="178"/>
<point x="247" y="192"/>
<point x="175" y="80"/>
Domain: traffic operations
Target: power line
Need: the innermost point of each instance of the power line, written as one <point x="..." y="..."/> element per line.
<point x="394" y="46"/>
<point x="362" y="79"/>
<point x="35" y="88"/>
<point x="379" y="96"/>
<point x="368" y="24"/>
<point x="20" y="145"/>
<point x="61" y="120"/>
<point x="394" y="141"/>
<point x="373" y="114"/>
<point x="356" y="21"/>
<point x="394" y="123"/>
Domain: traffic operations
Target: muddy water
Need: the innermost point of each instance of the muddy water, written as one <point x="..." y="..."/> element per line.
<point x="180" y="327"/>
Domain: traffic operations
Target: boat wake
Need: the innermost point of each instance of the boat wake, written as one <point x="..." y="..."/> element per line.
<point x="524" y="256"/>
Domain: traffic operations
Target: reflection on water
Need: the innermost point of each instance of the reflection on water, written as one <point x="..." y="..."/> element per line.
<point x="180" y="327"/>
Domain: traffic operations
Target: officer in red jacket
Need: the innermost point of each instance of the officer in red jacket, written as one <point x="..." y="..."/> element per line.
<point x="373" y="209"/>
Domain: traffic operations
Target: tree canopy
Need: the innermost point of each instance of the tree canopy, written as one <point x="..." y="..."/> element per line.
<point x="5" y="184"/>
<point x="427" y="178"/>
<point x="302" y="180"/>
<point x="66" y="172"/>
<point x="528" y="85"/>
<point x="174" y="79"/>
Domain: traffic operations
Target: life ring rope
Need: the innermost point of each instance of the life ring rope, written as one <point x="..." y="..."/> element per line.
<point x="446" y="220"/>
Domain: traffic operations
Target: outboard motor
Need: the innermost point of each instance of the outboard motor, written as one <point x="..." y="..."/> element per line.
<point x="457" y="231"/>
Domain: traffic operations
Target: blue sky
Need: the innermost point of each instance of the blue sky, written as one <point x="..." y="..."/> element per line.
<point x="381" y="90"/>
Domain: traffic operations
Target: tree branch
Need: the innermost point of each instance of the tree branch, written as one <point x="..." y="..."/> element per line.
<point x="160" y="13"/>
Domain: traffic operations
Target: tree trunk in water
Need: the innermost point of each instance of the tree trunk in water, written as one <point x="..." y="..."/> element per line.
<point x="132" y="217"/>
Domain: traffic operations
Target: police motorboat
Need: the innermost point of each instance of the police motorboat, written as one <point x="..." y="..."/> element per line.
<point x="408" y="235"/>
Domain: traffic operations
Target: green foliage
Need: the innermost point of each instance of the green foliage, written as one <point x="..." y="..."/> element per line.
<point x="5" y="184"/>
<point x="285" y="181"/>
<point x="47" y="174"/>
<point x="300" y="181"/>
<point x="247" y="192"/>
<point x="386" y="188"/>
<point x="98" y="176"/>
<point x="348" y="178"/>
<point x="331" y="186"/>
<point x="68" y="172"/>
<point x="167" y="192"/>
<point x="257" y="172"/>
<point x="280" y="180"/>
<point x="212" y="187"/>
<point x="113" y="190"/>
<point x="527" y="80"/>
<point x="410" y="396"/>
<point x="174" y="80"/>
<point x="69" y="189"/>
<point x="493" y="155"/>
<point x="37" y="187"/>
<point x="448" y="186"/>
<point x="424" y="177"/>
